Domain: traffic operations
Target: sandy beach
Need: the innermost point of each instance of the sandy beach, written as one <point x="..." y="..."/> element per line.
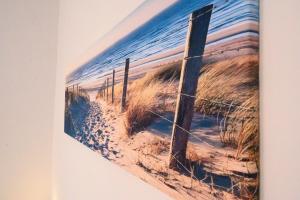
<point x="145" y="155"/>
<point x="214" y="169"/>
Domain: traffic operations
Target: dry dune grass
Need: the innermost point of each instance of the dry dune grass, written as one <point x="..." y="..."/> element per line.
<point x="141" y="102"/>
<point x="167" y="73"/>
<point x="144" y="96"/>
<point x="233" y="82"/>
<point x="156" y="146"/>
<point x="148" y="95"/>
<point x="248" y="138"/>
<point x="229" y="82"/>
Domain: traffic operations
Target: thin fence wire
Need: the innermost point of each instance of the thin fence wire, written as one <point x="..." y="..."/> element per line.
<point x="214" y="101"/>
<point x="222" y="105"/>
<point x="216" y="4"/>
<point x="225" y="170"/>
<point x="188" y="132"/>
<point x="214" y="53"/>
<point x="222" y="125"/>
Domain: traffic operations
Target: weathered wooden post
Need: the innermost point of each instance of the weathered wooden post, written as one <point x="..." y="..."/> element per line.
<point x="107" y="84"/>
<point x="113" y="87"/>
<point x="191" y="65"/>
<point x="123" y="101"/>
<point x="66" y="98"/>
<point x="104" y="89"/>
<point x="73" y="93"/>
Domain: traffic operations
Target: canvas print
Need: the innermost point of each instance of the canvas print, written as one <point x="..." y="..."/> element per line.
<point x="171" y="95"/>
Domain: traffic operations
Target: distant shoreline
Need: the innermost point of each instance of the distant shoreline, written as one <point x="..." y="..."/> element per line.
<point x="215" y="50"/>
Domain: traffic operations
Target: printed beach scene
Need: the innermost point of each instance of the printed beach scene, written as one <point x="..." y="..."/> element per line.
<point x="171" y="95"/>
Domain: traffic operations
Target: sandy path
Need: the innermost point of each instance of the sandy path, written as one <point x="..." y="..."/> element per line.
<point x="135" y="154"/>
<point x="96" y="133"/>
<point x="146" y="154"/>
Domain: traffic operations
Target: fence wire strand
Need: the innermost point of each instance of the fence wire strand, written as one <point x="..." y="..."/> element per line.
<point x="221" y="123"/>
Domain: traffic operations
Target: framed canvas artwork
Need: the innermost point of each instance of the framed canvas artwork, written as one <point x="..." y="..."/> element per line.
<point x="175" y="100"/>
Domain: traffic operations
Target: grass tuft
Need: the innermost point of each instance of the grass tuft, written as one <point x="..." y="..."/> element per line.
<point x="229" y="82"/>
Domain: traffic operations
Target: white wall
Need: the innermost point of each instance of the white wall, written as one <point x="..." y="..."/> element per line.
<point x="280" y="98"/>
<point x="77" y="167"/>
<point x="80" y="174"/>
<point x="28" y="32"/>
<point x="27" y="76"/>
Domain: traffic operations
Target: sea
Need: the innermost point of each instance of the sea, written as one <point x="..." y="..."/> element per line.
<point x="166" y="31"/>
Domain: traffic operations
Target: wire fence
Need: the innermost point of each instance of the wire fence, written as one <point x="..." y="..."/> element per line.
<point x="119" y="70"/>
<point x="141" y="61"/>
<point x="223" y="118"/>
<point x="221" y="162"/>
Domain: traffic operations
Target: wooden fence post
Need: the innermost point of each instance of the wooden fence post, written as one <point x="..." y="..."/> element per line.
<point x="123" y="101"/>
<point x="66" y="98"/>
<point x="104" y="89"/>
<point x="113" y="87"/>
<point x="191" y="65"/>
<point x="107" y="84"/>
<point x="103" y="92"/>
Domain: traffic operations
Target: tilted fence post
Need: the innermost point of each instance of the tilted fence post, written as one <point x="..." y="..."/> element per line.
<point x="73" y="94"/>
<point x="113" y="87"/>
<point x="107" y="84"/>
<point x="66" y="98"/>
<point x="123" y="101"/>
<point x="103" y="89"/>
<point x="191" y="65"/>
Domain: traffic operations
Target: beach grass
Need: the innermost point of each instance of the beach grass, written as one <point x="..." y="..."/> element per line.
<point x="223" y="88"/>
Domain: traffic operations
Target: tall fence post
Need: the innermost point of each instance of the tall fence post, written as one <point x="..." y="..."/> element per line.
<point x="103" y="89"/>
<point x="123" y="101"/>
<point x="113" y="87"/>
<point x="66" y="98"/>
<point x="191" y="65"/>
<point x="107" y="84"/>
